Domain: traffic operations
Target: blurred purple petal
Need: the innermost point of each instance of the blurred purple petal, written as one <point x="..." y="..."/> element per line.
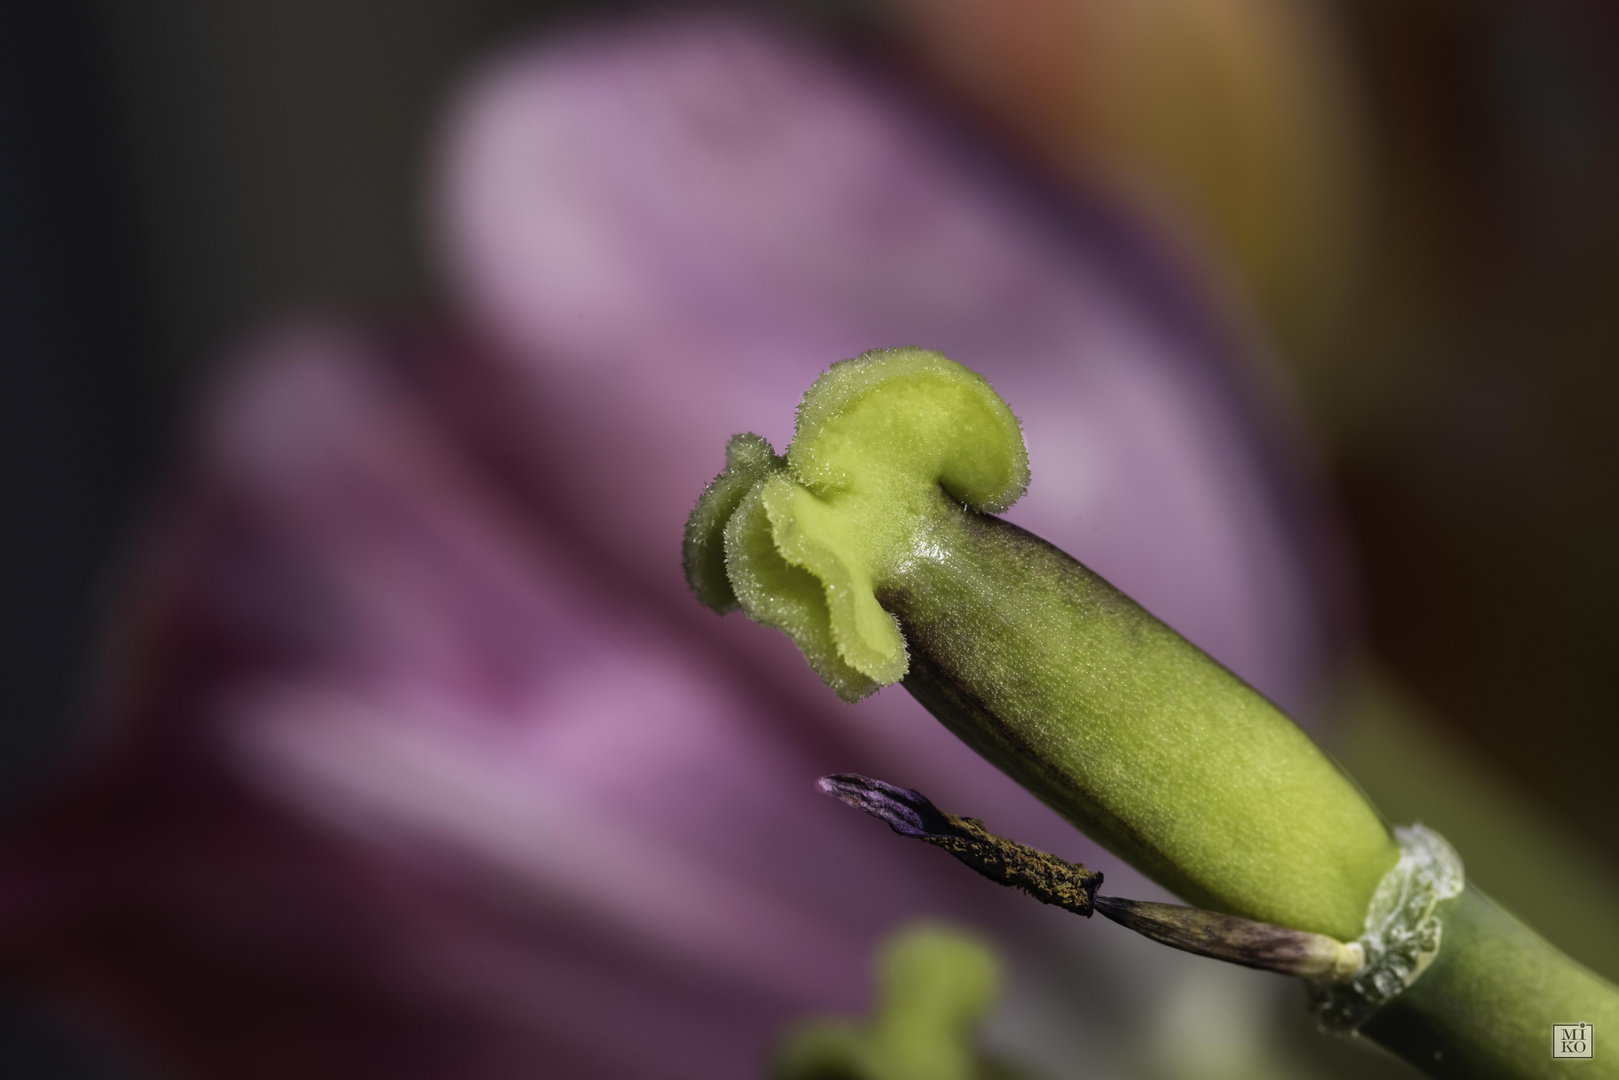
<point x="387" y="745"/>
<point x="418" y="758"/>
<point x="676" y="227"/>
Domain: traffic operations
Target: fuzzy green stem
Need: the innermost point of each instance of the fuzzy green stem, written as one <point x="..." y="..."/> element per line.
<point x="873" y="545"/>
<point x="1129" y="731"/>
<point x="1485" y="1008"/>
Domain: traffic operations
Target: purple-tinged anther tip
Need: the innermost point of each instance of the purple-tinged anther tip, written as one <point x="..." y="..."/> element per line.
<point x="906" y="811"/>
<point x="1045" y="877"/>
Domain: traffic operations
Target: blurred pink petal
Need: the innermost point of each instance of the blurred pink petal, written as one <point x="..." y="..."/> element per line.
<point x="674" y="228"/>
<point x="389" y="745"/>
<point x="420" y="761"/>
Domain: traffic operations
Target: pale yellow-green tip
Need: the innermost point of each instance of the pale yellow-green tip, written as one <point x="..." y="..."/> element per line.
<point x="803" y="541"/>
<point x="935" y="985"/>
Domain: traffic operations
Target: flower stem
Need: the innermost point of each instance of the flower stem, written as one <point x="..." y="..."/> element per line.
<point x="873" y="544"/>
<point x="1487" y="1005"/>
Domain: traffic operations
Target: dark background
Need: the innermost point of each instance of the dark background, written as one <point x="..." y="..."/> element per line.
<point x="173" y="172"/>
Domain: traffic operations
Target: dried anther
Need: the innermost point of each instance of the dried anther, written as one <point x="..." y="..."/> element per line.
<point x="1238" y="941"/>
<point x="1071" y="886"/>
<point x="1045" y="877"/>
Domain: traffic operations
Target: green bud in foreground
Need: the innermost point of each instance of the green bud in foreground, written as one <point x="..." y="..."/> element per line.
<point x="935" y="986"/>
<point x="872" y="544"/>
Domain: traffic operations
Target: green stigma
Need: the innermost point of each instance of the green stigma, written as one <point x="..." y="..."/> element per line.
<point x="884" y="442"/>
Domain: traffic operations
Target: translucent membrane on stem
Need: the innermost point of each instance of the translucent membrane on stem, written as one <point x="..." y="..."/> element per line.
<point x="1403" y="930"/>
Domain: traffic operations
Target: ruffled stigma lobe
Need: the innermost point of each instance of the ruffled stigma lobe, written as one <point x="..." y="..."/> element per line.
<point x="884" y="444"/>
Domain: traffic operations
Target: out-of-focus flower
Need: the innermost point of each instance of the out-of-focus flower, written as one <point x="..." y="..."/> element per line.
<point x="418" y="759"/>
<point x="679" y="227"/>
<point x="934" y="986"/>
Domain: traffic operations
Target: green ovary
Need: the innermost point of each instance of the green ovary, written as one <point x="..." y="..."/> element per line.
<point x="873" y="546"/>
